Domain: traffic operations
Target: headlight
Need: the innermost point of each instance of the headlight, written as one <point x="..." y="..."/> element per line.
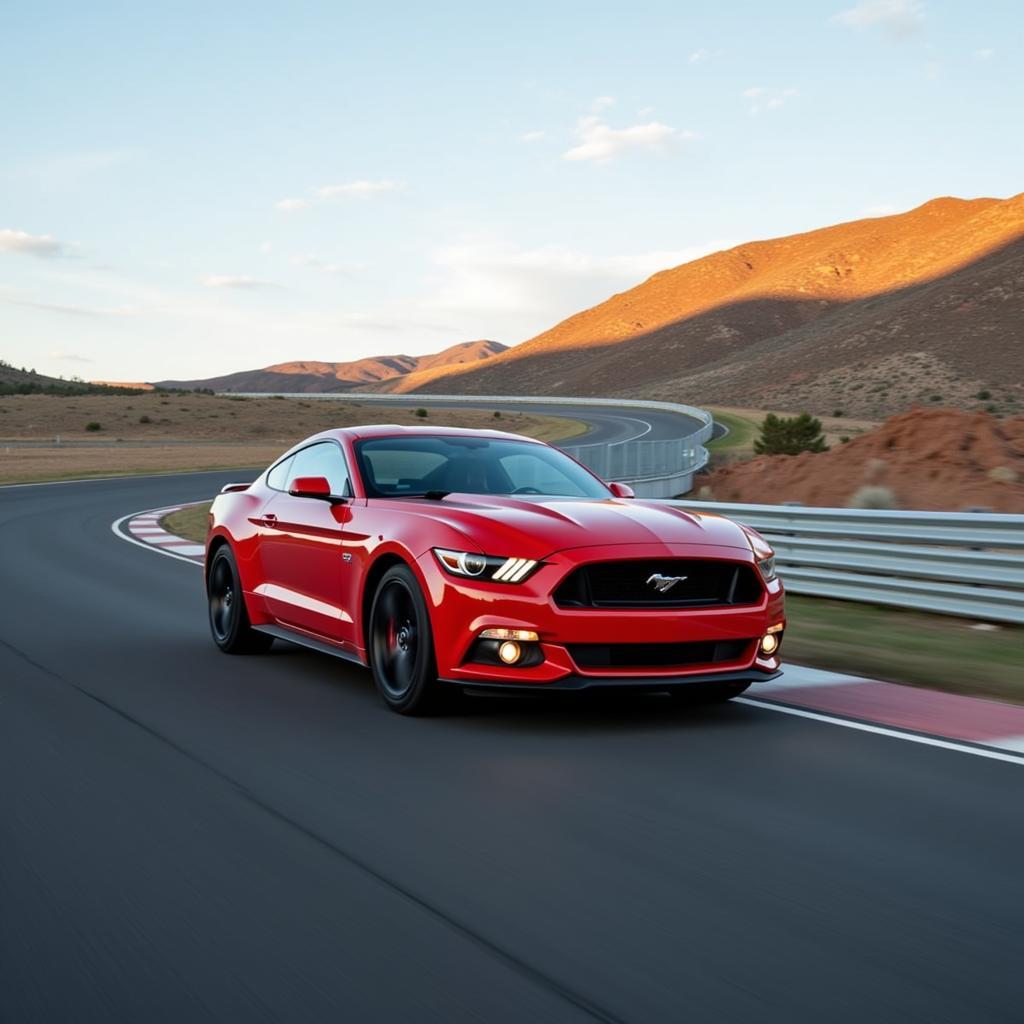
<point x="486" y="567"/>
<point x="767" y="567"/>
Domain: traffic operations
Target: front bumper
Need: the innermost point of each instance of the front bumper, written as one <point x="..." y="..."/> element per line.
<point x="460" y="609"/>
<point x="652" y="684"/>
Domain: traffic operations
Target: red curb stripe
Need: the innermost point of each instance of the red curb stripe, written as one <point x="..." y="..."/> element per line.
<point x="940" y="714"/>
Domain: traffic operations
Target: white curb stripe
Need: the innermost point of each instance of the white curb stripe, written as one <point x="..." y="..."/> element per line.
<point x="880" y="730"/>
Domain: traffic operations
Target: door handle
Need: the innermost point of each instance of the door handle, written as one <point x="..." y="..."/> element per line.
<point x="269" y="519"/>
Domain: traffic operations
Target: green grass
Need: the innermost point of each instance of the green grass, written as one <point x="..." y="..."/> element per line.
<point x="742" y="431"/>
<point x="936" y="651"/>
<point x="189" y="522"/>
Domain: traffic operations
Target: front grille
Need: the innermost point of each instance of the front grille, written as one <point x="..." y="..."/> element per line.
<point x="624" y="584"/>
<point x="701" y="652"/>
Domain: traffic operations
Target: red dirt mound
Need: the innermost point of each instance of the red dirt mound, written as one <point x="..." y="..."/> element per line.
<point x="922" y="459"/>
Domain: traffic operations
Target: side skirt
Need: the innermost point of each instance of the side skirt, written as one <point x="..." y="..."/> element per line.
<point x="280" y="633"/>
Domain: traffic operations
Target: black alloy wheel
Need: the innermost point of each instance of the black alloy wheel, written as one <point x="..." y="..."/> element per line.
<point x="402" y="645"/>
<point x="229" y="620"/>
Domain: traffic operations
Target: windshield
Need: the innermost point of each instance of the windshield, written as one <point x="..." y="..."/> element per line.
<point x="395" y="467"/>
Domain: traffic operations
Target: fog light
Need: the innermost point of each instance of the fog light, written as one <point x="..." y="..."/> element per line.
<point x="769" y="644"/>
<point x="510" y="652"/>
<point x="524" y="636"/>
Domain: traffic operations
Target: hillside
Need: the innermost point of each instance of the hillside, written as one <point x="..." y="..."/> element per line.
<point x="312" y="377"/>
<point x="867" y="316"/>
<point x="923" y="459"/>
<point x="15" y="381"/>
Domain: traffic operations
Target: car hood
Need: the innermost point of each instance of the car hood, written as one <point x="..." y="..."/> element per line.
<point x="538" y="527"/>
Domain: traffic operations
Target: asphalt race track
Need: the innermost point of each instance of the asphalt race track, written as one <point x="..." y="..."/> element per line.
<point x="606" y="425"/>
<point x="186" y="836"/>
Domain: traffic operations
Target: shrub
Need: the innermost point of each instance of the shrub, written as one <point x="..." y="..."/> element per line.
<point x="992" y="408"/>
<point x="837" y="414"/>
<point x="421" y="413"/>
<point x="145" y="419"/>
<point x="497" y="414"/>
<point x="935" y="398"/>
<point x="790" y="435"/>
<point x="92" y="426"/>
<point x="983" y="395"/>
<point x="873" y="496"/>
<point x="844" y="439"/>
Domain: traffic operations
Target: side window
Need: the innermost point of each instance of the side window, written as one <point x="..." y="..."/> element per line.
<point x="323" y="459"/>
<point x="279" y="476"/>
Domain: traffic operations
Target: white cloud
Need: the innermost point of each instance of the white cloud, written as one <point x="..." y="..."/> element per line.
<point x="266" y="247"/>
<point x="702" y="55"/>
<point x="68" y="357"/>
<point x="361" y="189"/>
<point x="599" y="141"/>
<point x="761" y="98"/>
<point x="235" y="281"/>
<point x="602" y="103"/>
<point x="325" y="266"/>
<point x="900" y="18"/>
<point x="72" y="310"/>
<point x="484" y="277"/>
<point x="537" y="136"/>
<point x="43" y="246"/>
<point x="985" y="54"/>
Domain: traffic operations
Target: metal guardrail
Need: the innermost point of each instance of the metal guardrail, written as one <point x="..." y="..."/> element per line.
<point x="654" y="469"/>
<point x="957" y="563"/>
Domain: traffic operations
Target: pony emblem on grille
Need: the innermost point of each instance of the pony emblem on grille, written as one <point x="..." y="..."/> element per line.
<point x="663" y="584"/>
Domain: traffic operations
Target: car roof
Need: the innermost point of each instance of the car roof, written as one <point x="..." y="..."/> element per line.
<point x="398" y="430"/>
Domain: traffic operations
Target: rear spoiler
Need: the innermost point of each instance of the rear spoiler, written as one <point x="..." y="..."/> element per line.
<point x="232" y="488"/>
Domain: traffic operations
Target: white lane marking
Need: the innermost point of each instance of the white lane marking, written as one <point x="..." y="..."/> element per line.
<point x="648" y="427"/>
<point x="880" y="730"/>
<point x="191" y="549"/>
<point x="119" y="532"/>
<point x="1009" y="743"/>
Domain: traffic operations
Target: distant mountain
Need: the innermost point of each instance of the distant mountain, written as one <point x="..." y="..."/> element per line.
<point x="867" y="317"/>
<point x="14" y="381"/>
<point x="332" y="377"/>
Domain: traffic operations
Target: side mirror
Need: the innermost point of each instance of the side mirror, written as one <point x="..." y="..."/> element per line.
<point x="622" y="490"/>
<point x="310" y="487"/>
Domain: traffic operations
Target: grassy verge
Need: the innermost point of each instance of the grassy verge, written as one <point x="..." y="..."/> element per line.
<point x="742" y="431"/>
<point x="937" y="651"/>
<point x="189" y="522"/>
<point x="745" y="425"/>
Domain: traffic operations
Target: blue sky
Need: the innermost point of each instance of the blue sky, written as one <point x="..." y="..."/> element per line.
<point x="202" y="188"/>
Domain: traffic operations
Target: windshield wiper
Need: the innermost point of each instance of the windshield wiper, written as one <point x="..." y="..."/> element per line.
<point x="429" y="495"/>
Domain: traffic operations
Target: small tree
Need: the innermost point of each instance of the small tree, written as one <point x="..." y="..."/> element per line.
<point x="790" y="435"/>
<point x="421" y="413"/>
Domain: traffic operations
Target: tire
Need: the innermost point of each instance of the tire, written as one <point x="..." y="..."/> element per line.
<point x="709" y="693"/>
<point x="229" y="619"/>
<point x="401" y="645"/>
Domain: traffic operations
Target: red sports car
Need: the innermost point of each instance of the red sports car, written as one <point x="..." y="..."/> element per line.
<point x="449" y="559"/>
